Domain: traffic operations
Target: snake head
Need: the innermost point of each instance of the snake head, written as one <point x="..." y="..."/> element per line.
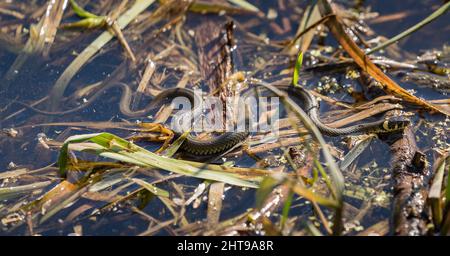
<point x="395" y="124"/>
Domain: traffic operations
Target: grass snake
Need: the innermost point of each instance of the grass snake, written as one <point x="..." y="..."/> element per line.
<point x="229" y="140"/>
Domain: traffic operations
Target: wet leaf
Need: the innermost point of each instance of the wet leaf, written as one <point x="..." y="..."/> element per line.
<point x="245" y="4"/>
<point x="87" y="23"/>
<point x="298" y="67"/>
<point x="49" y="201"/>
<point x="173" y="148"/>
<point x="197" y="192"/>
<point x="356" y="151"/>
<point x="10" y="192"/>
<point x="61" y="205"/>
<point x="305" y="33"/>
<point x="151" y="188"/>
<point x="312" y="196"/>
<point x="111" y="146"/>
<point x="286" y="207"/>
<point x="208" y="7"/>
<point x="265" y="188"/>
<point x="80" y="11"/>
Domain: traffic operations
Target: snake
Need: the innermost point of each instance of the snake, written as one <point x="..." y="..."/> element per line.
<point x="228" y="140"/>
<point x="312" y="108"/>
<point x="191" y="145"/>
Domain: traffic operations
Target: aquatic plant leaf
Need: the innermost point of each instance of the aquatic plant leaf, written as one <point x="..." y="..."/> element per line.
<point x="314" y="197"/>
<point x="381" y="228"/>
<point x="207" y="7"/>
<point x="53" y="195"/>
<point x="13" y="173"/>
<point x="286" y="207"/>
<point x="269" y="228"/>
<point x="87" y="23"/>
<point x="61" y="205"/>
<point x="364" y="62"/>
<point x="245" y="4"/>
<point x="108" y="180"/>
<point x="10" y="192"/>
<point x="80" y="11"/>
<point x="114" y="147"/>
<point x="305" y="33"/>
<point x="42" y="36"/>
<point x="152" y="189"/>
<point x="378" y="198"/>
<point x="445" y="230"/>
<point x="197" y="192"/>
<point x="173" y="148"/>
<point x="265" y="188"/>
<point x="325" y="177"/>
<point x="298" y="67"/>
<point x="356" y="151"/>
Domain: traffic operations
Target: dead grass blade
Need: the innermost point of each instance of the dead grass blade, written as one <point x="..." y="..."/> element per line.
<point x="443" y="9"/>
<point x="367" y="65"/>
<point x="41" y="38"/>
<point x="10" y="192"/>
<point x="337" y="185"/>
<point x="61" y="84"/>
<point x="111" y="146"/>
<point x="215" y="195"/>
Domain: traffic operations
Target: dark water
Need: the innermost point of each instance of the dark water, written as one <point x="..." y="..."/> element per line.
<point x="37" y="77"/>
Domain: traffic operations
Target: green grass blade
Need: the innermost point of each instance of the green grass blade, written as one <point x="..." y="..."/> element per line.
<point x="298" y="67"/>
<point x="357" y="150"/>
<point x="63" y="81"/>
<point x="114" y="147"/>
<point x="412" y="29"/>
<point x="286" y="207"/>
<point x="265" y="188"/>
<point x="80" y="11"/>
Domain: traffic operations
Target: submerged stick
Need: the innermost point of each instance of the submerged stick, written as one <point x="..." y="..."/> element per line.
<point x="409" y="173"/>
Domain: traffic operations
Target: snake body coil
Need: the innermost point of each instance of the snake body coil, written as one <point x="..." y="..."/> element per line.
<point x="228" y="140"/>
<point x="311" y="107"/>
